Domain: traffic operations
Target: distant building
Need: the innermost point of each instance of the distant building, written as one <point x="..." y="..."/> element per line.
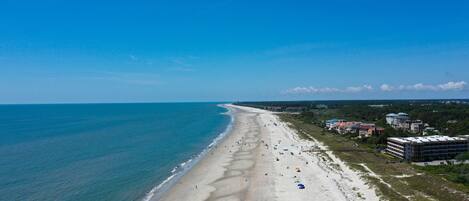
<point x="366" y="130"/>
<point x="430" y="131"/>
<point x="342" y="126"/>
<point x="348" y="127"/>
<point x="379" y="130"/>
<point x="332" y="123"/>
<point x="402" y="121"/>
<point x="397" y="120"/>
<point x="391" y="118"/>
<point x="416" y="126"/>
<point x="427" y="148"/>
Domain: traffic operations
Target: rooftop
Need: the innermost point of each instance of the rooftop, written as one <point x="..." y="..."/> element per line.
<point x="426" y="139"/>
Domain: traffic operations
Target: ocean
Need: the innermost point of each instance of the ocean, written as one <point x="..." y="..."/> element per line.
<point x="101" y="151"/>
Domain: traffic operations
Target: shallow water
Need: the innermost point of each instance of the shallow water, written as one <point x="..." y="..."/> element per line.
<point x="99" y="151"/>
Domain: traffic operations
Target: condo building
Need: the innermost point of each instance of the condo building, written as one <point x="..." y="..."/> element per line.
<point x="426" y="148"/>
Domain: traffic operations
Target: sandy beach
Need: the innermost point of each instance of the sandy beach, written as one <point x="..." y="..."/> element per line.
<point x="263" y="159"/>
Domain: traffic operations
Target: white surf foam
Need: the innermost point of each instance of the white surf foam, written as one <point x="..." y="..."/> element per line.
<point x="181" y="169"/>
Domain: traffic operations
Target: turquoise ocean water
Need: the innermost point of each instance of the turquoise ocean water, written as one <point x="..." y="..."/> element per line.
<point x="100" y="151"/>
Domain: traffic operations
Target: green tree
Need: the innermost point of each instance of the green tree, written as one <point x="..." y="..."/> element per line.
<point x="462" y="156"/>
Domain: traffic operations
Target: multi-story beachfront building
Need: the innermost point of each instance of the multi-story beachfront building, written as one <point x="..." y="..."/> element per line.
<point x="391" y="118"/>
<point x="427" y="148"/>
<point x="416" y="126"/>
<point x="397" y="120"/>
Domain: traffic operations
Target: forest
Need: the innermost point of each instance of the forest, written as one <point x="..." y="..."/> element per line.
<point x="450" y="117"/>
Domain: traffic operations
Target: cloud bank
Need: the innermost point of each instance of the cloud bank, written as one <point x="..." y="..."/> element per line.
<point x="313" y="90"/>
<point x="449" y="86"/>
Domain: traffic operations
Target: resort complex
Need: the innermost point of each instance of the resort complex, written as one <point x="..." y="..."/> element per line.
<point x="416" y="148"/>
<point x="364" y="130"/>
<point x="403" y="122"/>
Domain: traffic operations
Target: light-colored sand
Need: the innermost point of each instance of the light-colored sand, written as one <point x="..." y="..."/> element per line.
<point x="244" y="166"/>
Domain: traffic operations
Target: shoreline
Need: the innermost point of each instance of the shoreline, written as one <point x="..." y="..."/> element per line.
<point x="262" y="158"/>
<point x="160" y="190"/>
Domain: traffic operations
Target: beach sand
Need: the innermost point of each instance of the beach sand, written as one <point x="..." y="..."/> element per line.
<point x="263" y="159"/>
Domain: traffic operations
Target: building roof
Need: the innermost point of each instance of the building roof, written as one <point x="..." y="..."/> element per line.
<point x="334" y="120"/>
<point x="367" y="126"/>
<point x="426" y="139"/>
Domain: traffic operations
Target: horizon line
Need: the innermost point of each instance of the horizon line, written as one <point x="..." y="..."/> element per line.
<point x="170" y="102"/>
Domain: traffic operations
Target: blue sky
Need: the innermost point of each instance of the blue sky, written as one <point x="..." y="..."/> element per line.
<point x="164" y="51"/>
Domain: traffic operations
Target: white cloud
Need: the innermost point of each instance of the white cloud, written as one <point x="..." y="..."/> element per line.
<point x="386" y="87"/>
<point x="417" y="87"/>
<point x="358" y="89"/>
<point x="313" y="90"/>
<point x="305" y="90"/>
<point x="449" y="86"/>
<point x="453" y="85"/>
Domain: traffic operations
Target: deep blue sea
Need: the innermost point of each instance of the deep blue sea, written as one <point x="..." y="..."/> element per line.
<point x="99" y="151"/>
